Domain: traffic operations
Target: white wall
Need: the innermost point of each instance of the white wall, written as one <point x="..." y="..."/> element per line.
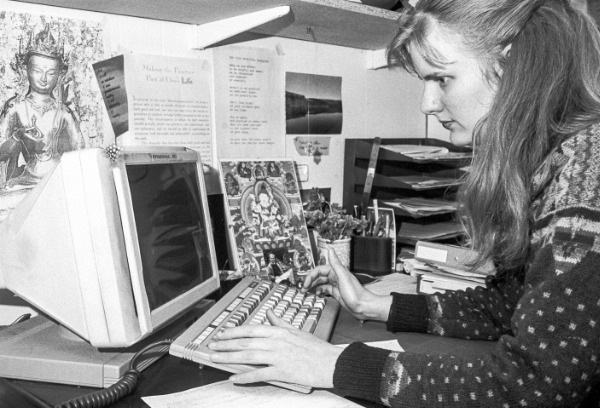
<point x="375" y="102"/>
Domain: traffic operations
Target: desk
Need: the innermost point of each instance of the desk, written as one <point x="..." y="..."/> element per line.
<point x="171" y="374"/>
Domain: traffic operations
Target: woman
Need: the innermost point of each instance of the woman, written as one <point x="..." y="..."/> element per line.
<point x="520" y="81"/>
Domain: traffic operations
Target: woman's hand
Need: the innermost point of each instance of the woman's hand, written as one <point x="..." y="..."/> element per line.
<point x="289" y="355"/>
<point x="335" y="280"/>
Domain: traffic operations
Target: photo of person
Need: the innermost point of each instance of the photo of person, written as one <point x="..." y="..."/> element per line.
<point x="277" y="270"/>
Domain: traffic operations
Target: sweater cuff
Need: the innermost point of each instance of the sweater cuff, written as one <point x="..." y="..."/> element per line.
<point x="408" y="313"/>
<point x="358" y="371"/>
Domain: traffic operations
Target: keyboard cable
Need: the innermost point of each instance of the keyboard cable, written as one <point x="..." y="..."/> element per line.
<point x="123" y="387"/>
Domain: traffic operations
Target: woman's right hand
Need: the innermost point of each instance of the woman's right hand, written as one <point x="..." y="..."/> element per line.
<point x="335" y="280"/>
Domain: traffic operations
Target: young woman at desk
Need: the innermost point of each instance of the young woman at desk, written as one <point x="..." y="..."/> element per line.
<point x="520" y="80"/>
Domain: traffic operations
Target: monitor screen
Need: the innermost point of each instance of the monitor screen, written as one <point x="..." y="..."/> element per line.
<point x="169" y="221"/>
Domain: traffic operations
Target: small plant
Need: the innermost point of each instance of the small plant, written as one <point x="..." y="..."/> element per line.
<point x="330" y="221"/>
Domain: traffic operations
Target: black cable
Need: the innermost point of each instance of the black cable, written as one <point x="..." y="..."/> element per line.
<point x="118" y="390"/>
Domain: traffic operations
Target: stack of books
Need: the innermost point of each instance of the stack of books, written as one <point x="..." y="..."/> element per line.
<point x="440" y="267"/>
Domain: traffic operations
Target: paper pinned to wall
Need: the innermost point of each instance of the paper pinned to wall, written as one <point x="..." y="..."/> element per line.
<point x="312" y="145"/>
<point x="157" y="100"/>
<point x="249" y="106"/>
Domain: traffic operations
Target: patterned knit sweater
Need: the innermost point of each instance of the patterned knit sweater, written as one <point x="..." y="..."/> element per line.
<point x="546" y="324"/>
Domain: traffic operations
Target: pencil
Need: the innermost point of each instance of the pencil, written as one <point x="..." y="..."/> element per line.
<point x="387" y="226"/>
<point x="376" y="209"/>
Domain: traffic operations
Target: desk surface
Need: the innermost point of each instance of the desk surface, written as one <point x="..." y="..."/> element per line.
<point x="171" y="374"/>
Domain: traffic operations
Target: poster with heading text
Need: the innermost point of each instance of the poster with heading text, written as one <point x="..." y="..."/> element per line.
<point x="250" y="103"/>
<point x="158" y="101"/>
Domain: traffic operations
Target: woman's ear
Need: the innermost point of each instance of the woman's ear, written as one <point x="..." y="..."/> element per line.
<point x="503" y="56"/>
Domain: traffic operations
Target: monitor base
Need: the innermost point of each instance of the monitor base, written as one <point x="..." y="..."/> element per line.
<point x="39" y="349"/>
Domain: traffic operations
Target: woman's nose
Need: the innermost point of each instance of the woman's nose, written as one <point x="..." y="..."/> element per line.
<point x="431" y="100"/>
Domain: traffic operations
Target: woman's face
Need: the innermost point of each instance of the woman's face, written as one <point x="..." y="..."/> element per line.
<point x="455" y="92"/>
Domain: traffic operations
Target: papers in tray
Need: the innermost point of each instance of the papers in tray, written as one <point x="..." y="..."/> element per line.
<point x="412" y="150"/>
<point x="427" y="182"/>
<point x="438" y="230"/>
<point x="418" y="207"/>
<point x="419" y="152"/>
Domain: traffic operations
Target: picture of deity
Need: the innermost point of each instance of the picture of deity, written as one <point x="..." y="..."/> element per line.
<point x="231" y="185"/>
<point x="37" y="127"/>
<point x="45" y="99"/>
<point x="273" y="170"/>
<point x="266" y="217"/>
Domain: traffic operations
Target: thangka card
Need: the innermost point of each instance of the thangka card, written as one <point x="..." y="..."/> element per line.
<point x="265" y="219"/>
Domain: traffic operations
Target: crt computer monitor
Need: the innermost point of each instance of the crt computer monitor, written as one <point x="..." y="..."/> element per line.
<point x="110" y="252"/>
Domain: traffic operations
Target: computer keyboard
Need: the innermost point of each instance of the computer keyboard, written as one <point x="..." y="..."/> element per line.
<point x="247" y="303"/>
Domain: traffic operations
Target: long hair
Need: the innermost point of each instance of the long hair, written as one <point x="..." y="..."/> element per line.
<point x="544" y="58"/>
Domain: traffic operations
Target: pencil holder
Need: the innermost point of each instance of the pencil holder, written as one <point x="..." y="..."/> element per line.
<point x="371" y="255"/>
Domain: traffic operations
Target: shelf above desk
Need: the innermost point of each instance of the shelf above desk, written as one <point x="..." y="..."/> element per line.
<point x="338" y="22"/>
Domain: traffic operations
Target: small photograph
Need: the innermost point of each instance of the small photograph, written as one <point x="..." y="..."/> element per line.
<point x="279" y="267"/>
<point x="316" y="199"/>
<point x="313" y="104"/>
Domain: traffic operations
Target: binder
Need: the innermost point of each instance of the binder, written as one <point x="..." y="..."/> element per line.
<point x="450" y="256"/>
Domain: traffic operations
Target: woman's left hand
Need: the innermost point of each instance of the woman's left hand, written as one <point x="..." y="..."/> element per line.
<point x="289" y="354"/>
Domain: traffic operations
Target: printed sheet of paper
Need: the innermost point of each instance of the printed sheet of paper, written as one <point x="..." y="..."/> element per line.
<point x="225" y="394"/>
<point x="250" y="103"/>
<point x="392" y="345"/>
<point x="166" y="101"/>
